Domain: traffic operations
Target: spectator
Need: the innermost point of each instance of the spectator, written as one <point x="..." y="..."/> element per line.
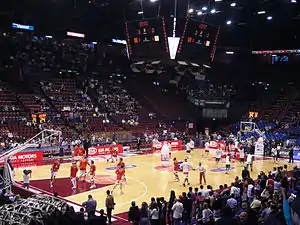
<point x="232" y="203"/>
<point x="172" y="201"/>
<point x="154" y="214"/>
<point x="227" y="217"/>
<point x="134" y="214"/>
<point x="207" y="215"/>
<point x="177" y="212"/>
<point x="102" y="218"/>
<point x="80" y="216"/>
<point x="110" y="205"/>
<point x="144" y="214"/>
<point x="90" y="206"/>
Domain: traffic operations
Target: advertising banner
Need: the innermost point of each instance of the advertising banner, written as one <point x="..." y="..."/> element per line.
<point x="104" y="150"/>
<point x="215" y="144"/>
<point x="22" y="26"/>
<point x="26" y="157"/>
<point x="175" y="145"/>
<point x="296" y="155"/>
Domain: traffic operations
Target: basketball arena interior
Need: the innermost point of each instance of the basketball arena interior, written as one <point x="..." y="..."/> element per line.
<point x="149" y="112"/>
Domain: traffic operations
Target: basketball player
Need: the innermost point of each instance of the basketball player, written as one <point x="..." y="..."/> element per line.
<point x="92" y="174"/>
<point x="122" y="164"/>
<point x="120" y="173"/>
<point x="115" y="154"/>
<point x="249" y="161"/>
<point x="206" y="146"/>
<point x="242" y="155"/>
<point x="202" y="174"/>
<point x="273" y="154"/>
<point x="186" y="167"/>
<point x="82" y="167"/>
<point x="188" y="150"/>
<point x="73" y="175"/>
<point x="176" y="169"/>
<point x="76" y="151"/>
<point x="227" y="163"/>
<point x="192" y="144"/>
<point x="218" y="155"/>
<point x="54" y="171"/>
<point x="81" y="152"/>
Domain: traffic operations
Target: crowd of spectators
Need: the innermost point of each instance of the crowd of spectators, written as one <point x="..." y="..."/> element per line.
<point x="245" y="201"/>
<point x="210" y="92"/>
<point x="114" y="99"/>
<point x="43" y="53"/>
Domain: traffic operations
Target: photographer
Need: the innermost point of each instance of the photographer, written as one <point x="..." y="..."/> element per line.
<point x="26" y="178"/>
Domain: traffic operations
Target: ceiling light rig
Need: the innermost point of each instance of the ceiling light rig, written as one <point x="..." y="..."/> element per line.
<point x="213" y="11"/>
<point x="261" y="12"/>
<point x="191" y="10"/>
<point x="233" y="4"/>
<point x="269" y="18"/>
<point x="204" y="8"/>
<point x="199" y="13"/>
<point x="228" y="22"/>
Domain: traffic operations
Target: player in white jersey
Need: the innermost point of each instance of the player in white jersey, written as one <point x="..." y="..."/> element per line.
<point x="188" y="150"/>
<point x="206" y="146"/>
<point x="218" y="155"/>
<point x="242" y="155"/>
<point x="227" y="163"/>
<point x="250" y="161"/>
<point x="186" y="167"/>
<point x="192" y="144"/>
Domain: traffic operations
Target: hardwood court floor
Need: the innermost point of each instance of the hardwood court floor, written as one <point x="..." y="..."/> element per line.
<point x="146" y="178"/>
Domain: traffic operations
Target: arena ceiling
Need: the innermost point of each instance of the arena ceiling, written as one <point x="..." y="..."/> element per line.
<point x="253" y="23"/>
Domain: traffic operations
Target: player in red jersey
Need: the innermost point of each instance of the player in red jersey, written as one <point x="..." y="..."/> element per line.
<point x="73" y="174"/>
<point x="122" y="164"/>
<point x="82" y="167"/>
<point x="92" y="174"/>
<point x="176" y="169"/>
<point x="54" y="171"/>
<point x="81" y="151"/>
<point x="120" y="173"/>
<point x="111" y="155"/>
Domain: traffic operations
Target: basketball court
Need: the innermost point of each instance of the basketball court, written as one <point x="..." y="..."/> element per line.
<point x="146" y="178"/>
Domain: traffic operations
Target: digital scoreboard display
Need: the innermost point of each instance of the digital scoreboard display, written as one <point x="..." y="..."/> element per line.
<point x="147" y="39"/>
<point x="198" y="41"/>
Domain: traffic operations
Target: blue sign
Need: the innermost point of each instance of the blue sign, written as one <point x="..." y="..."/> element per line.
<point x="21" y="26"/>
<point x="129" y="154"/>
<point x="221" y="169"/>
<point x="126" y="167"/>
<point x="296" y="155"/>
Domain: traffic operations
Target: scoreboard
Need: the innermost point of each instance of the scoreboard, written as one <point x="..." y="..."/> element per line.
<point x="147" y="39"/>
<point x="198" y="41"/>
<point x="38" y="118"/>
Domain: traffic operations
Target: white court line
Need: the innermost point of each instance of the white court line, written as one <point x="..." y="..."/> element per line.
<point x="143" y="195"/>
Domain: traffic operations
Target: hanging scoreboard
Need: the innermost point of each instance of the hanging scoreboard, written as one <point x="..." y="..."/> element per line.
<point x="198" y="41"/>
<point x="147" y="39"/>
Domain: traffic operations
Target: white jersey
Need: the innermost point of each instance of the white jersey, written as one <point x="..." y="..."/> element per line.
<point x="192" y="144"/>
<point x="188" y="146"/>
<point x="206" y="145"/>
<point x="186" y="167"/>
<point x="218" y="153"/>
<point x="249" y="159"/>
<point x="227" y="160"/>
<point x="201" y="169"/>
<point x="242" y="153"/>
